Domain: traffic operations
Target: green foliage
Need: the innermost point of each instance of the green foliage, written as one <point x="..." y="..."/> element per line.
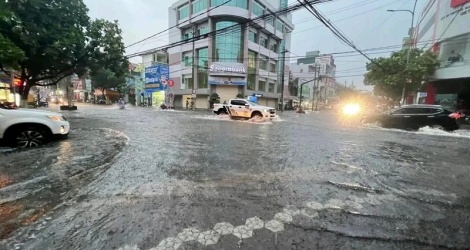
<point x="389" y="75"/>
<point x="106" y="79"/>
<point x="239" y="96"/>
<point x="10" y="54"/>
<point x="214" y="98"/>
<point x="59" y="39"/>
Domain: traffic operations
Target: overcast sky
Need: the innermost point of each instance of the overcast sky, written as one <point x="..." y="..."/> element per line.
<point x="366" y="22"/>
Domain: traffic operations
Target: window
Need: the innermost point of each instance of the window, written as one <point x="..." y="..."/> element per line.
<point x="187" y="34"/>
<point x="202" y="30"/>
<point x="228" y="44"/>
<point x="283" y="4"/>
<point x="236" y="3"/>
<point x="263" y="63"/>
<point x="262" y="86"/>
<point x="199" y="6"/>
<point x="238" y="102"/>
<point x="257" y="9"/>
<point x="273" y="46"/>
<point x="187" y="82"/>
<point x="270" y="21"/>
<point x="253" y="36"/>
<point x="271" y="87"/>
<point x="272" y="67"/>
<point x="263" y="40"/>
<point x="202" y="65"/>
<point x="251" y="85"/>
<point x="183" y="12"/>
<point x="279" y="25"/>
<point x="187" y="58"/>
<point x="251" y="60"/>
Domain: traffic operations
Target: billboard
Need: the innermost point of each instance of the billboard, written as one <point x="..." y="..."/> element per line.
<point x="156" y="78"/>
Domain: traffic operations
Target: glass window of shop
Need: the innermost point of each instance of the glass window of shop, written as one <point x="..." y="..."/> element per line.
<point x="187" y="34"/>
<point x="253" y="36"/>
<point x="183" y="12"/>
<point x="262" y="86"/>
<point x="199" y="6"/>
<point x="272" y="86"/>
<point x="202" y="66"/>
<point x="187" y="82"/>
<point x="228" y="45"/>
<point x="251" y="70"/>
<point x="283" y="4"/>
<point x="263" y="63"/>
<point x="187" y="58"/>
<point x="257" y="9"/>
<point x="235" y="3"/>
<point x="279" y="25"/>
<point x="263" y="40"/>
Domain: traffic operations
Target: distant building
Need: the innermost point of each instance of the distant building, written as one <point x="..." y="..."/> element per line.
<point x="313" y="64"/>
<point x="444" y="27"/>
<point x="149" y="58"/>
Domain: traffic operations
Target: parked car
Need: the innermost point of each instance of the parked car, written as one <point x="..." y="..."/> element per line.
<point x="25" y="128"/>
<point x="415" y="117"/>
<point x="240" y="108"/>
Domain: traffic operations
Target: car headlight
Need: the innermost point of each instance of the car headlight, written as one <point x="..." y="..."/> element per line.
<point x="56" y="118"/>
<point x="351" y="109"/>
<point x="266" y="110"/>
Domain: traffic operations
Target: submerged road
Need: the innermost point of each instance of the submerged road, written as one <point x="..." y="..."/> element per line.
<point x="146" y="179"/>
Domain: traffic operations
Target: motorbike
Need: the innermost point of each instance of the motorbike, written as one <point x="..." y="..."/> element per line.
<point x="122" y="105"/>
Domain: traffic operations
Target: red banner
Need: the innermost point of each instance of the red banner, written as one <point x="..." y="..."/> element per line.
<point x="456" y="3"/>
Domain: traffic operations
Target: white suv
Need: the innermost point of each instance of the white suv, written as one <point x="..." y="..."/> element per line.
<point x="30" y="128"/>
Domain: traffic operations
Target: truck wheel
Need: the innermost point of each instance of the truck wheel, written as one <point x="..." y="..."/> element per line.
<point x="28" y="137"/>
<point x="221" y="112"/>
<point x="257" y="115"/>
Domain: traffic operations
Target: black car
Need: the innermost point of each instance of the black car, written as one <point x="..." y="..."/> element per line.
<point x="415" y="117"/>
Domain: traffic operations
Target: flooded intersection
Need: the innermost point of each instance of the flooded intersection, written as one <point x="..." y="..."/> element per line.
<point x="191" y="180"/>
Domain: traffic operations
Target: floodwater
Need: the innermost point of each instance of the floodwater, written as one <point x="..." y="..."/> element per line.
<point x="162" y="179"/>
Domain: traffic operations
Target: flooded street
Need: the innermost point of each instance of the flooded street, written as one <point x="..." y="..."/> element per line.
<point x="145" y="179"/>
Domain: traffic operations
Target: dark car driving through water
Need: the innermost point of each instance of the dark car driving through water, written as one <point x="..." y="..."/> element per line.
<point x="415" y="117"/>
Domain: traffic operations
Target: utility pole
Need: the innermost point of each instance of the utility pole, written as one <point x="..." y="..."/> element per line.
<point x="315" y="85"/>
<point x="282" y="78"/>
<point x="193" y="91"/>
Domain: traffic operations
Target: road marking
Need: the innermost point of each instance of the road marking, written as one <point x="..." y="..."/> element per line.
<point x="245" y="231"/>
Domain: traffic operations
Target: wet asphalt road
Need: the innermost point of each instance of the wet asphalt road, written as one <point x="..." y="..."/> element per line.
<point x="191" y="180"/>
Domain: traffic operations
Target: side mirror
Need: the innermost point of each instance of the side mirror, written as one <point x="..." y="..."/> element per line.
<point x="247" y="105"/>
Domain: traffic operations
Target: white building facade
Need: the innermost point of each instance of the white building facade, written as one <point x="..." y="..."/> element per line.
<point x="444" y="27"/>
<point x="242" y="59"/>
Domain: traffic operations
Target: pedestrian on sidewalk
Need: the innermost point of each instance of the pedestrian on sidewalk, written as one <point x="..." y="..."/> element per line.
<point x="187" y="104"/>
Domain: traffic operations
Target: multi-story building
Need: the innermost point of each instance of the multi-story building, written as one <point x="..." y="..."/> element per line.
<point x="321" y="66"/>
<point x="444" y="27"/>
<point x="242" y="59"/>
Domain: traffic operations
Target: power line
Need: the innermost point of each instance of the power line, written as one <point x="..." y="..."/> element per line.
<point x="234" y="27"/>
<point x="189" y="19"/>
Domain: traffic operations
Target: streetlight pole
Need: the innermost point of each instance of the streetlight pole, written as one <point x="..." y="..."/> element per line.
<point x="410" y="42"/>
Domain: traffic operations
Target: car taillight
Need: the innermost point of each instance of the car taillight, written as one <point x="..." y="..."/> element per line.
<point x="455" y="115"/>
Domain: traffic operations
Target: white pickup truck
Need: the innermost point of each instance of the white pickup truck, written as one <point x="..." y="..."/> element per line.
<point x="240" y="108"/>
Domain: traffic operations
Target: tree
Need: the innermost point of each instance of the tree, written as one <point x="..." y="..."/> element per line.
<point x="239" y="96"/>
<point x="10" y="54"/>
<point x="293" y="85"/>
<point x="104" y="79"/>
<point x="59" y="39"/>
<point x="389" y="75"/>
